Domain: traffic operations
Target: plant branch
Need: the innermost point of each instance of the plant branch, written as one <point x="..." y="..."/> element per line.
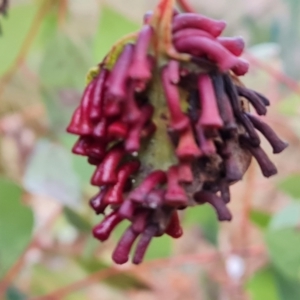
<point x="278" y="75"/>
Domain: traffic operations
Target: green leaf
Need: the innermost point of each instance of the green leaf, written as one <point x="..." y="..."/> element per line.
<point x="78" y="221"/>
<point x="50" y="172"/>
<point x="288" y="289"/>
<point x="205" y="217"/>
<point x="16" y="224"/>
<point x="82" y="168"/>
<point x="13" y="293"/>
<point x="112" y="26"/>
<point x="160" y="247"/>
<point x="48" y="278"/>
<point x="290" y="185"/>
<point x="287" y="217"/>
<point x="260" y="218"/>
<point x="14" y="29"/>
<point x="65" y="63"/>
<point x="263" y="286"/>
<point x="289" y="106"/>
<point x="283" y="247"/>
<point x="120" y="281"/>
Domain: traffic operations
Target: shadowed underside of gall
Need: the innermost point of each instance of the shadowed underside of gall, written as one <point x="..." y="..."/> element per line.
<point x="167" y="124"/>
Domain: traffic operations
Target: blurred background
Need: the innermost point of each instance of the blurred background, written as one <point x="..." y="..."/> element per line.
<point x="46" y="247"/>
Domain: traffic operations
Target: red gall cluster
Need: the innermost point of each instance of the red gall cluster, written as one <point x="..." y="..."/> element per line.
<point x="169" y="128"/>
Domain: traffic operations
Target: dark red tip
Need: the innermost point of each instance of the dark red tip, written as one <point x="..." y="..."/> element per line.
<point x="103" y="230"/>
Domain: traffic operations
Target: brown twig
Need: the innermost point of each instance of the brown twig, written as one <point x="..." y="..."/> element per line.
<point x="278" y="75"/>
<point x="29" y="39"/>
<point x="198" y="259"/>
<point x="104" y="274"/>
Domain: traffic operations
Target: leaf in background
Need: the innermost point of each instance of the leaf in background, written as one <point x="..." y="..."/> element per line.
<point x="290" y="105"/>
<point x="13" y="293"/>
<point x="112" y="26"/>
<point x="120" y="281"/>
<point x="78" y="221"/>
<point x="83" y="169"/>
<point x="50" y="172"/>
<point x="65" y="63"/>
<point x="286" y="218"/>
<point x="15" y="28"/>
<point x="263" y="286"/>
<point x="16" y="224"/>
<point x="290" y="185"/>
<point x="205" y="217"/>
<point x="283" y="247"/>
<point x="57" y="273"/>
<point x="288" y="289"/>
<point x="159" y="248"/>
<point x="260" y="218"/>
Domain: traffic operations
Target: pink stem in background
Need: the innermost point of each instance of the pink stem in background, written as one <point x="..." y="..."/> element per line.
<point x="193" y="20"/>
<point x="116" y="84"/>
<point x="210" y="116"/>
<point x="103" y="230"/>
<point x="175" y="195"/>
<point x="149" y="183"/>
<point x="106" y="171"/>
<point x="179" y="121"/>
<point x="121" y="252"/>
